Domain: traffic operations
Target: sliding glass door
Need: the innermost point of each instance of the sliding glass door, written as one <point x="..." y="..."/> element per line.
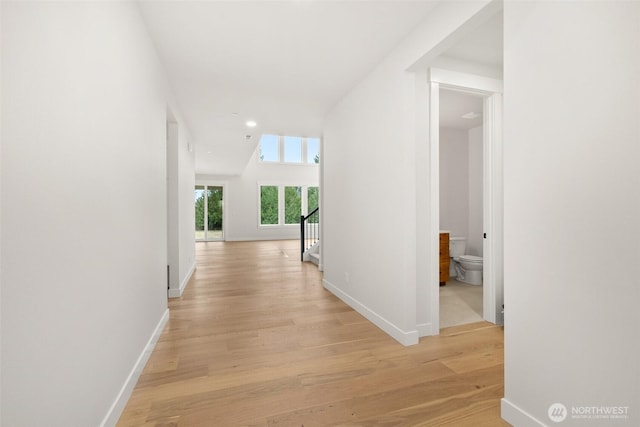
<point x="209" y="212"/>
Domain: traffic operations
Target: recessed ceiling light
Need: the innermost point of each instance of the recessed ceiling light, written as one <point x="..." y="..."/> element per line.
<point x="251" y="124"/>
<point x="471" y="115"/>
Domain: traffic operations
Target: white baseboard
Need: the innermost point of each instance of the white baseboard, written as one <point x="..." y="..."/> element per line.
<point x="426" y="330"/>
<point x="111" y="419"/>
<point x="177" y="293"/>
<point x="403" y="337"/>
<point x="516" y="416"/>
<point x="260" y="238"/>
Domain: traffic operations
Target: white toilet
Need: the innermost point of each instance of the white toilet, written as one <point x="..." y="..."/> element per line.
<point x="468" y="268"/>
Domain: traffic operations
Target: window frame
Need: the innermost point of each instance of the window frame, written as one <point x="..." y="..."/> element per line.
<point x="205" y="186"/>
<point x="279" y="192"/>
<point x="304" y="194"/>
<point x="282" y="154"/>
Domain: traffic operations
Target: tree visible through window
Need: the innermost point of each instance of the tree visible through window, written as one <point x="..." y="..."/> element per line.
<point x="208" y="212"/>
<point x="292" y="204"/>
<point x="312" y="198"/>
<point x="269" y="205"/>
<point x="283" y="205"/>
<point x="313" y="150"/>
<point x="214" y="208"/>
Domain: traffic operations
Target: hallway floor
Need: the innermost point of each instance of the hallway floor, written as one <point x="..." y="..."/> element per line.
<point x="257" y="341"/>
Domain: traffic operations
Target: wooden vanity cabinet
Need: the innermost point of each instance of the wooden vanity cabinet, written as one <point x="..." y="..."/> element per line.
<point x="444" y="258"/>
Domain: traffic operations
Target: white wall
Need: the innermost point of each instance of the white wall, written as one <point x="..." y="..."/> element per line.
<point x="476" y="176"/>
<point x="181" y="221"/>
<point x="370" y="185"/>
<point x="241" y="197"/>
<point x="187" y="223"/>
<point x="84" y="244"/>
<point x="1" y="139"/>
<point x="468" y="67"/>
<point x="454" y="181"/>
<point x="571" y="209"/>
<point x="461" y="185"/>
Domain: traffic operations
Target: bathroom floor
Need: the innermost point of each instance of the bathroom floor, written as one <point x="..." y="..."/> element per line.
<point x="460" y="303"/>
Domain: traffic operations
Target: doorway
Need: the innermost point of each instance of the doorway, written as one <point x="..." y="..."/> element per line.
<point x="491" y="92"/>
<point x="209" y="213"/>
<point x="461" y="200"/>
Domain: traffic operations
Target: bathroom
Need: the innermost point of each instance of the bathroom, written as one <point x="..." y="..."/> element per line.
<point x="461" y="199"/>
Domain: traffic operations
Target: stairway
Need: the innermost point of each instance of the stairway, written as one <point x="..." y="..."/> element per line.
<point x="312" y="254"/>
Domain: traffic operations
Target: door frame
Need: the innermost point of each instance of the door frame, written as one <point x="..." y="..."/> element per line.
<point x="223" y="185"/>
<point x="491" y="90"/>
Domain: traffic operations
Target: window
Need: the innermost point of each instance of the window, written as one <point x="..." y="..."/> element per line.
<point x="312" y="198"/>
<point x="313" y="150"/>
<point x="200" y="211"/>
<point x="269" y="205"/>
<point x="292" y="205"/>
<point x="270" y="148"/>
<point x="292" y="149"/>
<point x="289" y="149"/>
<point x="283" y="205"/>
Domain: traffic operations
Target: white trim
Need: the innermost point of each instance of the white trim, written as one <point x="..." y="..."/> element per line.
<point x="114" y="412"/>
<point x="304" y="202"/>
<point x="434" y="217"/>
<point x="470" y="82"/>
<point x="320" y="200"/>
<point x="492" y="210"/>
<point x="405" y="338"/>
<point x="177" y="293"/>
<point x="516" y="416"/>
<point x="281" y="152"/>
<point x="263" y="238"/>
<point x="492" y="183"/>
<point x="423" y="207"/>
<point x="426" y="329"/>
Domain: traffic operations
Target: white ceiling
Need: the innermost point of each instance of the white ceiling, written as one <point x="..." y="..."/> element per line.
<point x="483" y="46"/>
<point x="283" y="64"/>
<point x="453" y="105"/>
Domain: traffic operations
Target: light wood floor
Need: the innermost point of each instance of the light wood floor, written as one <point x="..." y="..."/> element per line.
<point x="257" y="341"/>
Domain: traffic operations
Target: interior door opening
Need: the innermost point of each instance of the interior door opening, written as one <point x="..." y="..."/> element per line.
<point x="461" y="207"/>
<point x="490" y="90"/>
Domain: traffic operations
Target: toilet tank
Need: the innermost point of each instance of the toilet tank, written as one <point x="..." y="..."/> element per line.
<point x="457" y="246"/>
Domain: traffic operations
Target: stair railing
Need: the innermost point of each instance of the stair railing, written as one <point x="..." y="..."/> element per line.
<point x="309" y="231"/>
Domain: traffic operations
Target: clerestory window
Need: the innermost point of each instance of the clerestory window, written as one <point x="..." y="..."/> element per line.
<point x="289" y="149"/>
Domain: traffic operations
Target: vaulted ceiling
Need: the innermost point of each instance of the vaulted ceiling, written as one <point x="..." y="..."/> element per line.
<point x="282" y="64"/>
